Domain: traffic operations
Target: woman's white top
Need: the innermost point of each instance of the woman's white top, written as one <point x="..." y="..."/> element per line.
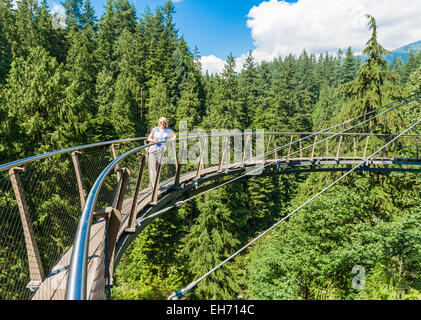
<point x="160" y="135"/>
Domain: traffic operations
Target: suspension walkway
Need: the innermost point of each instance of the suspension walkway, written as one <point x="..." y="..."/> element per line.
<point x="49" y="251"/>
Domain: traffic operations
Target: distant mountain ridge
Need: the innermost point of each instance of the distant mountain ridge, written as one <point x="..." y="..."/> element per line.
<point x="403" y="52"/>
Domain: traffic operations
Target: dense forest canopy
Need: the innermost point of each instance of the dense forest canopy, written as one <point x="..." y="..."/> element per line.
<point x="89" y="79"/>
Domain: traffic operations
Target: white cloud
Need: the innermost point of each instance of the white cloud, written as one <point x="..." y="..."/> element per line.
<point x="57" y="8"/>
<point x="59" y="16"/>
<point x="212" y="64"/>
<point x="279" y="28"/>
<point x="216" y="65"/>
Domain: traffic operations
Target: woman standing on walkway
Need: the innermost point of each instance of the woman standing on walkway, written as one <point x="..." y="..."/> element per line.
<point x="160" y="133"/>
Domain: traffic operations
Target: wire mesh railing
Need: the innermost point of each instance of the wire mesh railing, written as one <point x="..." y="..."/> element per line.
<point x="40" y="205"/>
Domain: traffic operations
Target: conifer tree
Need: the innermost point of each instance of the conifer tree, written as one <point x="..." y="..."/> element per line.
<point x="369" y="89"/>
<point x="247" y="87"/>
<point x="82" y="69"/>
<point x="104" y="90"/>
<point x="5" y="54"/>
<point x="159" y="104"/>
<point x="224" y="109"/>
<point x="189" y="105"/>
<point x="349" y="70"/>
<point x="73" y="10"/>
<point x="39" y="120"/>
<point x="210" y="241"/>
<point x="88" y="18"/>
<point x="118" y="15"/>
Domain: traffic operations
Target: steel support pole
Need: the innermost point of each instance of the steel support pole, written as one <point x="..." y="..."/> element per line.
<point x="36" y="272"/>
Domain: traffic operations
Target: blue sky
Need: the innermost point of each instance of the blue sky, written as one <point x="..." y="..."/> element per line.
<point x="276" y="28"/>
<point x="216" y="27"/>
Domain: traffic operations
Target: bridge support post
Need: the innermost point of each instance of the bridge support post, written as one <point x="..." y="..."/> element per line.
<point x="267" y="149"/>
<point x="289" y="148"/>
<point x="314" y="146"/>
<point x="114" y="218"/>
<point x="355" y="146"/>
<point x="36" y="272"/>
<point x="200" y="166"/>
<point x="300" y="145"/>
<point x="76" y="165"/>
<point x="365" y="147"/>
<point x="224" y="147"/>
<point x="115" y="155"/>
<point x="120" y="191"/>
<point x="394" y="149"/>
<point x="327" y="147"/>
<point x="276" y="148"/>
<point x="247" y="151"/>
<point x="339" y="147"/>
<point x="131" y="227"/>
<point x="179" y="161"/>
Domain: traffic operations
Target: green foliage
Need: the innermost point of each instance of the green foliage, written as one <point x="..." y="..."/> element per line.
<point x="113" y="78"/>
<point x="373" y="85"/>
<point x="211" y="240"/>
<point x="312" y="255"/>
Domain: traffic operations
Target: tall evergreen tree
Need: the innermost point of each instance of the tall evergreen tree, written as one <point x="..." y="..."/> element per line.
<point x="224" y="109"/>
<point x="369" y="89"/>
<point x="39" y="120"/>
<point x="88" y="18"/>
<point x="349" y="70"/>
<point x="210" y="241"/>
<point x="73" y="10"/>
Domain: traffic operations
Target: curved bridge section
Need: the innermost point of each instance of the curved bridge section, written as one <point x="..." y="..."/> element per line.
<point x="80" y="253"/>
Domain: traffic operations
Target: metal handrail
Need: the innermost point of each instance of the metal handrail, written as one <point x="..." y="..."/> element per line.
<point x="27" y="160"/>
<point x="20" y="162"/>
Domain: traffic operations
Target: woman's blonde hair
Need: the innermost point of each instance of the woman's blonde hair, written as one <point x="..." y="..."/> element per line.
<point x="163" y="119"/>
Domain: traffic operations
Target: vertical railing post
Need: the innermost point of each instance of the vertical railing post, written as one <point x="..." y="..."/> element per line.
<point x="200" y="164"/>
<point x="339" y="147"/>
<point x="394" y="149"/>
<point x="276" y="148"/>
<point x="267" y="148"/>
<point x="289" y="148"/>
<point x="36" y="272"/>
<point x="327" y="147"/>
<point x="300" y="146"/>
<point x="117" y="166"/>
<point x="224" y="146"/>
<point x="355" y="146"/>
<point x="114" y="218"/>
<point x="366" y="141"/>
<point x="384" y="150"/>
<point x="179" y="161"/>
<point x="131" y="226"/>
<point x="314" y="146"/>
<point x="246" y="148"/>
<point x="76" y="165"/>
<point x="365" y="147"/>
